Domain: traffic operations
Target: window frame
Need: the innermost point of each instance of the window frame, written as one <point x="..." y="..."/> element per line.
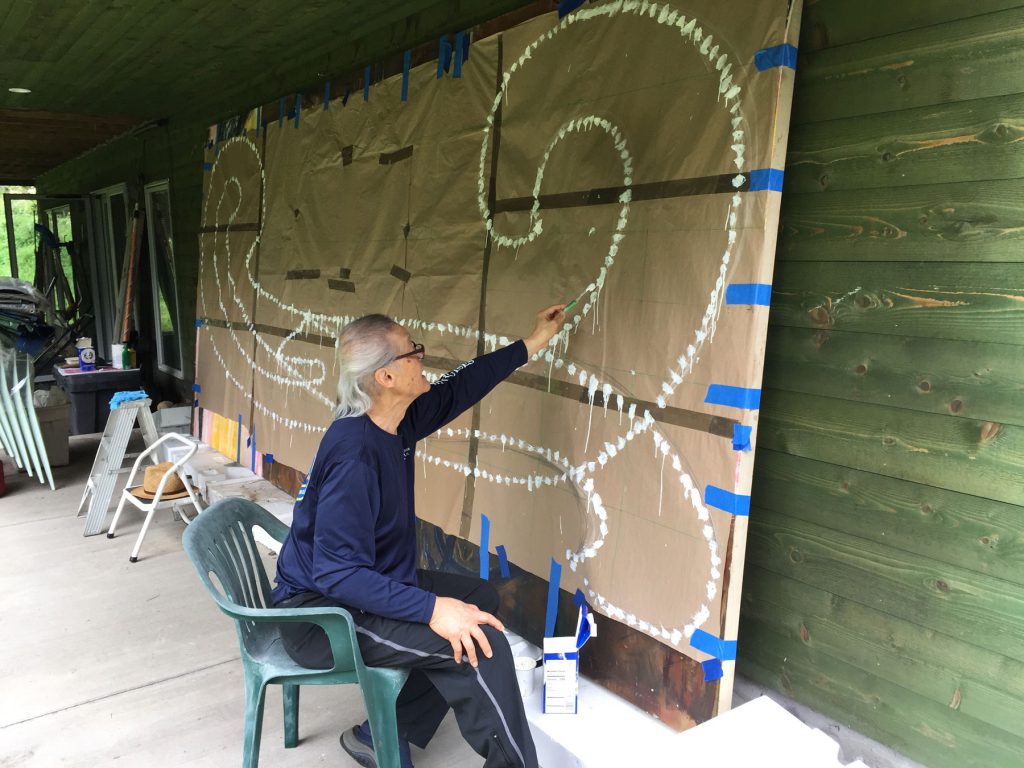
<point x="164" y="186"/>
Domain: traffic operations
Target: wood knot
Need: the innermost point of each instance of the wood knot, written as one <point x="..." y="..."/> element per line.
<point x="1001" y="130"/>
<point x="901" y="81"/>
<point x="818" y="315"/>
<point x="923" y="219"/>
<point x="990" y="430"/>
<point x="819" y="36"/>
<point x="889" y="441"/>
<point x="942" y="586"/>
<point x="296" y="213"/>
<point x="805" y="636"/>
<point x="888" y="157"/>
<point x="796" y="555"/>
<point x="861" y="369"/>
<point x="824" y="180"/>
<point x="889" y="231"/>
<point x="863" y="300"/>
<point x="820" y="339"/>
<point x="845" y="486"/>
<point x="926" y="509"/>
<point x="924" y="385"/>
<point x="956" y="406"/>
<point x="990" y="541"/>
<point x="954" y="703"/>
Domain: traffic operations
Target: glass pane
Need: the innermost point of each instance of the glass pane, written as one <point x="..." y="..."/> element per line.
<point x="24" y="212"/>
<point x="60" y="223"/>
<point x="159" y="219"/>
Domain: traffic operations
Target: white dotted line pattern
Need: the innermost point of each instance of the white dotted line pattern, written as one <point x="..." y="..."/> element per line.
<point x="582" y="475"/>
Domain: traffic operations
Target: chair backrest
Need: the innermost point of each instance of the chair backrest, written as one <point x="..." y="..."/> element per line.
<point x="220" y="542"/>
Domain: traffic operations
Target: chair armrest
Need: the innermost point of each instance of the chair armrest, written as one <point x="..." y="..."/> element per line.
<point x="335" y="621"/>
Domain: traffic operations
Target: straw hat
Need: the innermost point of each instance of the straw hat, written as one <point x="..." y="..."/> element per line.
<point x="174" y="489"/>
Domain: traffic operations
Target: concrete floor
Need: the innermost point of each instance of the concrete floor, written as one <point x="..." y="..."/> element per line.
<point x="111" y="663"/>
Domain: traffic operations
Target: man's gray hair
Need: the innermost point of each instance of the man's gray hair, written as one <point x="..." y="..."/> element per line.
<point x="365" y="345"/>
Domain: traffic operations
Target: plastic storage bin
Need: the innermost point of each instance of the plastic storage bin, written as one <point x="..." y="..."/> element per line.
<point x="90" y="394"/>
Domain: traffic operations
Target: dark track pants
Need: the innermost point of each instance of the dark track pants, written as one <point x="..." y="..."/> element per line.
<point x="486" y="700"/>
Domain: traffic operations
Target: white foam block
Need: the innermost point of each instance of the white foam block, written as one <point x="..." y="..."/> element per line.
<point x="610" y="731"/>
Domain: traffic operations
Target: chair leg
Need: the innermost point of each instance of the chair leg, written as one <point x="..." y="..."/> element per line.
<point x="290" y="694"/>
<point x="142" y="534"/>
<point x="255" y="691"/>
<point x="195" y="504"/>
<point x="380" y="702"/>
<point x="117" y="516"/>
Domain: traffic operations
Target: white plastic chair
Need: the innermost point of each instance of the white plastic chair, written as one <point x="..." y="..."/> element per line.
<point x="149" y="507"/>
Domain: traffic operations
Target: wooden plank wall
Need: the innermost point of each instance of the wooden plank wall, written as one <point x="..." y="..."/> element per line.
<point x="885" y="564"/>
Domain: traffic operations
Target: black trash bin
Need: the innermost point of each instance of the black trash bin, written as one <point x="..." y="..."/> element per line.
<point x="90" y="393"/>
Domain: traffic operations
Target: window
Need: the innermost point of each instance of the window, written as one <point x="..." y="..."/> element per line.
<point x="60" y="225"/>
<point x="114" y="212"/>
<point x="20" y="215"/>
<point x="161" y="262"/>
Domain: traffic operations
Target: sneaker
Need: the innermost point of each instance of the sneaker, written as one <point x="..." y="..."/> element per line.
<point x="358" y="742"/>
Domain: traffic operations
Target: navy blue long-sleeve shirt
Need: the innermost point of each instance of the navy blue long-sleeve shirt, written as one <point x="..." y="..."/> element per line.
<point x="353" y="534"/>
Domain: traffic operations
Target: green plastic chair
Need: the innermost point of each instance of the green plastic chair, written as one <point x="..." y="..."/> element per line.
<point x="220" y="541"/>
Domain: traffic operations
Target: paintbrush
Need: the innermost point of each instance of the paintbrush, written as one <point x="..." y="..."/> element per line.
<point x="575" y="301"/>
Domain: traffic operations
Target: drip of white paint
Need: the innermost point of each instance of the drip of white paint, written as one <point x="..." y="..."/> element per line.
<point x="606" y="390"/>
<point x="618" y="404"/>
<point x="591" y="391"/>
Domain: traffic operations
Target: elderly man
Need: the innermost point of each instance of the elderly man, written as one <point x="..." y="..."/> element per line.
<point x="353" y="544"/>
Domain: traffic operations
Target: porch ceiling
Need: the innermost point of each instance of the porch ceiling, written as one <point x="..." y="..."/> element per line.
<point x="97" y="67"/>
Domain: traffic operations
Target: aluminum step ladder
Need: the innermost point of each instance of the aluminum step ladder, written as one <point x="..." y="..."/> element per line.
<point x="110" y="458"/>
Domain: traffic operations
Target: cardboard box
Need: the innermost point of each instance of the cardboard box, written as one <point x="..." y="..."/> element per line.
<point x="561" y="676"/>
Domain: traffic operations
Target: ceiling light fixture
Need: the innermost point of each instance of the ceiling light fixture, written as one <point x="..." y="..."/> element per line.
<point x="20" y="90"/>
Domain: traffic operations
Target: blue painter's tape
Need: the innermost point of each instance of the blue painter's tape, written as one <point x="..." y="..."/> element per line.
<point x="327" y="94"/>
<point x="197" y="388"/>
<point x="238" y="444"/>
<point x="749" y="293"/>
<point x="733" y="503"/>
<point x="712" y="670"/>
<point x="444" y="55"/>
<point x="406" y="63"/>
<point x="268" y="458"/>
<point x="366" y="83"/>
<point x="735" y="397"/>
<point x="252" y="452"/>
<point x="461" y="53"/>
<point x="195" y="403"/>
<point x="553" y="581"/>
<point x="207" y="166"/>
<point x="485" y="557"/>
<point x="777" y="56"/>
<point x="580" y="601"/>
<point x="503" y="561"/>
<point x="565" y="7"/>
<point x="298" y="108"/>
<point x="741" y="437"/>
<point x="199" y="323"/>
<point x="280" y="112"/>
<point x="769" y="179"/>
<point x="714" y="646"/>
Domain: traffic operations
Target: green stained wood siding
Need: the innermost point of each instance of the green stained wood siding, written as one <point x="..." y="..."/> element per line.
<point x="885" y="561"/>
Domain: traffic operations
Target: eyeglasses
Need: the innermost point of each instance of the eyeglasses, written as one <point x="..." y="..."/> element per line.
<point x="417" y="351"/>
